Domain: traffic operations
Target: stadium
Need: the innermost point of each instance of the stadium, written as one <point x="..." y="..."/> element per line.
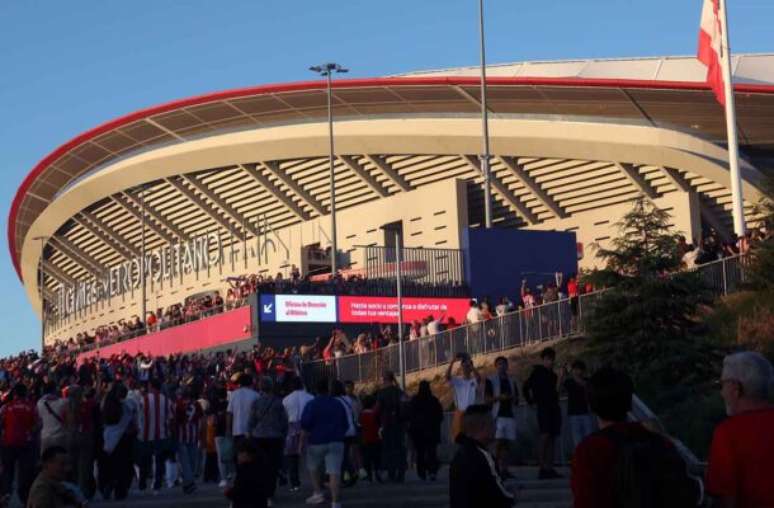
<point x="210" y="188"/>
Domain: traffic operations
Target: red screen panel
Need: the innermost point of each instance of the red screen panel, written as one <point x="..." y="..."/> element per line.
<point x="377" y="309"/>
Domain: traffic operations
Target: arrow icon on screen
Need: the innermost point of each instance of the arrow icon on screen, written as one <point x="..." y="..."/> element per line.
<point x="267" y="308"/>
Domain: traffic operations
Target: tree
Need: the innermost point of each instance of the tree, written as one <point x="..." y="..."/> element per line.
<point x="645" y="323"/>
<point x="760" y="270"/>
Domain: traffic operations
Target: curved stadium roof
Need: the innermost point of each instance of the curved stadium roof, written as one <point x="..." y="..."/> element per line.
<point x="658" y="92"/>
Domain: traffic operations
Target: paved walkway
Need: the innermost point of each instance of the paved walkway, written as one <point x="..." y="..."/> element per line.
<point x="414" y="492"/>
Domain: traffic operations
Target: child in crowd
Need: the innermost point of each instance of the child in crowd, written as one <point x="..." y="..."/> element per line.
<point x="372" y="443"/>
<point x="250" y="488"/>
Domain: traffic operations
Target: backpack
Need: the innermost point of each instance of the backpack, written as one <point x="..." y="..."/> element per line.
<point x="650" y="473"/>
<point x="112" y="410"/>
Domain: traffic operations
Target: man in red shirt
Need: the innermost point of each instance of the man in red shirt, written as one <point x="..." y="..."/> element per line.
<point x="742" y="453"/>
<point x="18" y="424"/>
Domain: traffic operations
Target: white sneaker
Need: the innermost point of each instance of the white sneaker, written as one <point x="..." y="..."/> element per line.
<point x="316" y="498"/>
<point x="223" y="484"/>
<point x="363" y="473"/>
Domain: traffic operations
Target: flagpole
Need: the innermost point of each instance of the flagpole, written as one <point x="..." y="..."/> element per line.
<point x="737" y="202"/>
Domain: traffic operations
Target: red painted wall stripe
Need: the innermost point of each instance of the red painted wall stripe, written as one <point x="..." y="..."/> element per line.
<point x="205" y="333"/>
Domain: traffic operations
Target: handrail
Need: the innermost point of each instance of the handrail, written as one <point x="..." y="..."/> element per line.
<point x="728" y="282"/>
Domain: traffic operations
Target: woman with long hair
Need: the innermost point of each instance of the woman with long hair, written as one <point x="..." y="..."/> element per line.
<point x="425" y="418"/>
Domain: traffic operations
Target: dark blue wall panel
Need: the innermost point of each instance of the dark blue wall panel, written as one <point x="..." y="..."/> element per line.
<point x="496" y="260"/>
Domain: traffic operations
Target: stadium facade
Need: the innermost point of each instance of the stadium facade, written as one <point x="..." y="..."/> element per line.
<point x="236" y="182"/>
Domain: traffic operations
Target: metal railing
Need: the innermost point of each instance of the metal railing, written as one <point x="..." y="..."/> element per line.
<point x="725" y="275"/>
<point x="554" y="320"/>
<point x="528" y="326"/>
<point x="517" y="329"/>
<point x="426" y="265"/>
<point x="163" y="324"/>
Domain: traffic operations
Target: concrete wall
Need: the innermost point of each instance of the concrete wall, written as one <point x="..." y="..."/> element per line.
<point x="432" y="216"/>
<point x="600" y="226"/>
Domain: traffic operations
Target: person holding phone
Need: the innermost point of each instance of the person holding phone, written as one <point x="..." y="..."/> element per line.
<point x="465" y="388"/>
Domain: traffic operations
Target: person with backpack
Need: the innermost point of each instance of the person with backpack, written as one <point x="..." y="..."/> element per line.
<point x="624" y="465"/>
<point x="118" y="417"/>
<point x="54" y="416"/>
<point x="268" y="424"/>
<point x="349" y="471"/>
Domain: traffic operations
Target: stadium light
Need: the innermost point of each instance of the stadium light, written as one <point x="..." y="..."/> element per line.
<point x="399" y="293"/>
<point x="485" y="157"/>
<point x="327" y="70"/>
<point x="143" y="281"/>
<point x="41" y="296"/>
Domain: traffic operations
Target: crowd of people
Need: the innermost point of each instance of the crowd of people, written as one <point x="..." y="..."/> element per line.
<point x="713" y="248"/>
<point x="377" y="336"/>
<point x="238" y="293"/>
<point x="246" y="421"/>
<point x="616" y="461"/>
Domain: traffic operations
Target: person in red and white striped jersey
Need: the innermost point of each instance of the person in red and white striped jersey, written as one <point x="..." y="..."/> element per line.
<point x="155" y="420"/>
<point x="188" y="422"/>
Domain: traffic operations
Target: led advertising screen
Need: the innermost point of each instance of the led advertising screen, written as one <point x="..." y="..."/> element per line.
<point x="377" y="309"/>
<point x="298" y="308"/>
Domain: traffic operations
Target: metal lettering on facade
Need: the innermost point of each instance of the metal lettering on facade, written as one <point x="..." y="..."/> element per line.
<point x="164" y="263"/>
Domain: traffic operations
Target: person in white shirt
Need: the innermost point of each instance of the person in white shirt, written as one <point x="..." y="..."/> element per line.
<point x="465" y="387"/>
<point x="502" y="307"/>
<point x="434" y="325"/>
<point x="239" y="406"/>
<point x="153" y="420"/>
<point x="689" y="258"/>
<point x="474" y="313"/>
<point x="294" y="404"/>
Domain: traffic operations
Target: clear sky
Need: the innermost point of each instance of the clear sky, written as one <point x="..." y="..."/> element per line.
<point x="68" y="66"/>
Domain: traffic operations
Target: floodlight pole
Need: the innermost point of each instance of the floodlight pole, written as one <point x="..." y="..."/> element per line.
<point x="398" y="274"/>
<point x="142" y="261"/>
<point x="485" y="158"/>
<point x="42" y="240"/>
<point x="327" y="70"/>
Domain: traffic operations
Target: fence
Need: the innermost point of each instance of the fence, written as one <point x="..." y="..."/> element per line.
<point x="545" y="322"/>
<point x="517" y="329"/>
<point x="427" y="266"/>
<point x="725" y="275"/>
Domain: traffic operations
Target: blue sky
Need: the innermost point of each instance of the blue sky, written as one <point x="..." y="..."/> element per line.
<point x="68" y="66"/>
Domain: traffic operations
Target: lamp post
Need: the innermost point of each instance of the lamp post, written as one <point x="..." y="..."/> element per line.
<point x="141" y="189"/>
<point x="485" y="157"/>
<point x="399" y="293"/>
<point x="142" y="261"/>
<point x="42" y="240"/>
<point x="327" y="70"/>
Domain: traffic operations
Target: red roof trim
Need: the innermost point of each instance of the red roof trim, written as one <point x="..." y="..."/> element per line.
<point x="344" y="83"/>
